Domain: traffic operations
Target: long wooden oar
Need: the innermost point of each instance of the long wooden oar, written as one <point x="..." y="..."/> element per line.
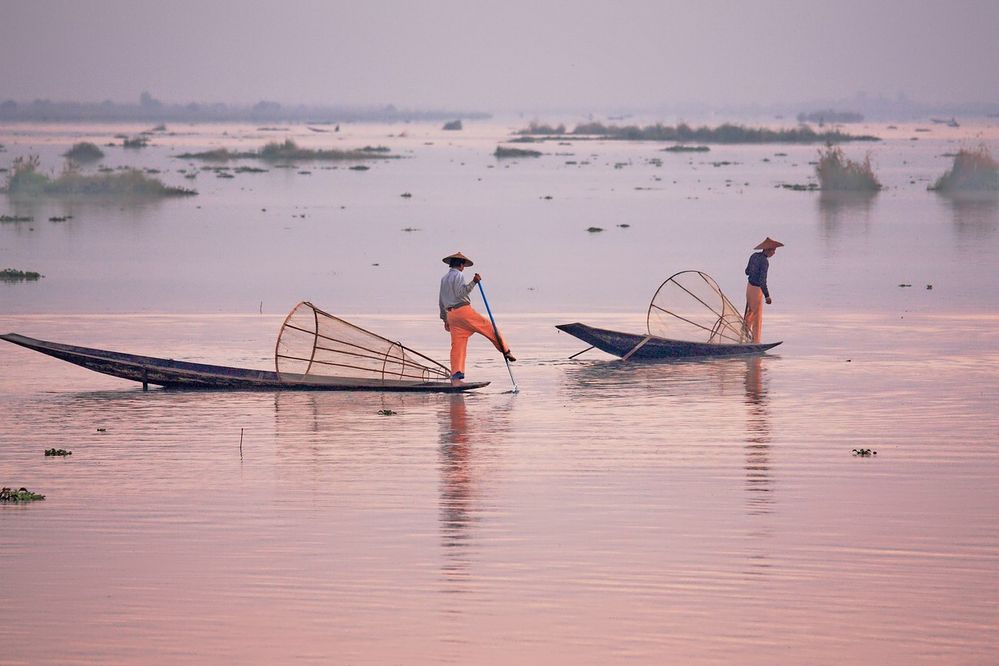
<point x="482" y="291"/>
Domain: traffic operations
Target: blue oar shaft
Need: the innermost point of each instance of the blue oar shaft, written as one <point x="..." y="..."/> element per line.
<point x="498" y="338"/>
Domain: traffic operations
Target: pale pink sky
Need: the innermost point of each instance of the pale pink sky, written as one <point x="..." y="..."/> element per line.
<point x="499" y="55"/>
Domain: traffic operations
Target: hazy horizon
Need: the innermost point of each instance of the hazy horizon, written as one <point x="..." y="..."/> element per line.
<point x="515" y="56"/>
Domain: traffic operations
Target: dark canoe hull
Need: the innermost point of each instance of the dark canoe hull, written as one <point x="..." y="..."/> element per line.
<point x="619" y="344"/>
<point x="184" y="375"/>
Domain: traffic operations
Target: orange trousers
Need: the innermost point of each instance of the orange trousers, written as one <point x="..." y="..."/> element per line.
<point x="463" y="323"/>
<point x="754" y="312"/>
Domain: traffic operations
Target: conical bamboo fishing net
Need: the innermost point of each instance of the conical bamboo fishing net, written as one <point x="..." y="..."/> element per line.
<point x="691" y="306"/>
<point x="313" y="342"/>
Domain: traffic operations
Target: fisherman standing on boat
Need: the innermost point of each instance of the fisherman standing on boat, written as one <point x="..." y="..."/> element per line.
<point x="756" y="289"/>
<point x="459" y="317"/>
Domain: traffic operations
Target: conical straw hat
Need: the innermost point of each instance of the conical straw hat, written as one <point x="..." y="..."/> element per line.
<point x="457" y="255"/>
<point x="769" y="244"/>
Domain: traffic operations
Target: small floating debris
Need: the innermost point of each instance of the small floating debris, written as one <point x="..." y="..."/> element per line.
<point x="929" y="286"/>
<point x="406" y="195"/>
<point x="864" y="453"/>
<point x="624" y="225"/>
<point x="410" y="229"/>
<point x="19" y="495"/>
<point x="798" y="187"/>
<point x="594" y="230"/>
<point x="16" y="218"/>
<point x="57" y="452"/>
<point x="359" y="167"/>
<point x="547" y="197"/>
<point x="102" y="430"/>
<point x="904" y="284"/>
<point x="387" y="412"/>
<point x="60" y="218"/>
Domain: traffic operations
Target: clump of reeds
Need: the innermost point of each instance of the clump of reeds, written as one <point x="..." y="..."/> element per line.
<point x="15" y="275"/>
<point x="20" y="495"/>
<point x="537" y="128"/>
<point x="25" y="180"/>
<point x="683" y="133"/>
<point x="502" y="151"/>
<point x="974" y="170"/>
<point x="288" y="150"/>
<point x="84" y="152"/>
<point x="838" y="173"/>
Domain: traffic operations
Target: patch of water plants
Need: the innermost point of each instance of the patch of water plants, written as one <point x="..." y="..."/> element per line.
<point x="683" y="133"/>
<point x="84" y="152"/>
<point x="57" y="452"/>
<point x="14" y="275"/>
<point x="25" y="180"/>
<point x="973" y="170"/>
<point x="864" y="453"/>
<point x="502" y="151"/>
<point x="838" y="173"/>
<point x="288" y="150"/>
<point x="9" y="495"/>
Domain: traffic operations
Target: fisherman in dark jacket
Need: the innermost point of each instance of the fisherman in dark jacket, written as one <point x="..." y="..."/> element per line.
<point x="756" y="289"/>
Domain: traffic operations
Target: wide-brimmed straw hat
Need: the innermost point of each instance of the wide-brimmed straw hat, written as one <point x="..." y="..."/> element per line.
<point x="457" y="255"/>
<point x="769" y="244"/>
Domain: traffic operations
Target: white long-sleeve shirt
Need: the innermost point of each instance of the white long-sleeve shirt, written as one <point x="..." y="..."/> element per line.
<point x="454" y="291"/>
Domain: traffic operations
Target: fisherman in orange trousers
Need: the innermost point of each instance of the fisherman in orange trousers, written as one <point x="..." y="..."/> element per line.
<point x="459" y="317"/>
<point x="756" y="288"/>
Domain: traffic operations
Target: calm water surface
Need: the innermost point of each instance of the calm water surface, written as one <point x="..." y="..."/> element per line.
<point x="707" y="512"/>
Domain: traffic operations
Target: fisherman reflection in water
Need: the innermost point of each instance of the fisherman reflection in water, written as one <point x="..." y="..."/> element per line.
<point x="756" y="289"/>
<point x="459" y="317"/>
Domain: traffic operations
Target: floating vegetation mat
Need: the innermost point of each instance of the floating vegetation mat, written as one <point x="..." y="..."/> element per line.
<point x="84" y="152"/>
<point x="836" y="172"/>
<point x="289" y="150"/>
<point x="26" y="181"/>
<point x="502" y="151"/>
<point x="57" y="452"/>
<point x="683" y="133"/>
<point x="14" y="275"/>
<point x="974" y="170"/>
<point x="8" y="495"/>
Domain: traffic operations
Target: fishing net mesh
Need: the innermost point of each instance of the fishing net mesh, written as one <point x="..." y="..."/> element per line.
<point x="313" y="342"/>
<point x="691" y="306"/>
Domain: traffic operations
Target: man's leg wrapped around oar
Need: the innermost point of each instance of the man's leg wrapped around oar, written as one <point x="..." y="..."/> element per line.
<point x="464" y="322"/>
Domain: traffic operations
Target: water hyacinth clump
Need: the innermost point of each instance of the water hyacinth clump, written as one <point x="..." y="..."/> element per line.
<point x="15" y="275"/>
<point x="288" y="150"/>
<point x="837" y="173"/>
<point x="974" y="170"/>
<point x="502" y="151"/>
<point x="20" y="495"/>
<point x="26" y="181"/>
<point x="84" y="152"/>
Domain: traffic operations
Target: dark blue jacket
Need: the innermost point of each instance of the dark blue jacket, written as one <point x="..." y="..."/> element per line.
<point x="757" y="271"/>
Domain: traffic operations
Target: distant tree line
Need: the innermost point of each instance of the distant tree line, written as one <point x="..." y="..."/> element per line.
<point x="150" y="109"/>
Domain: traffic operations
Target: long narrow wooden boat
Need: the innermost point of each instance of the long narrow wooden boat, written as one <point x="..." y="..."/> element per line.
<point x="185" y="375"/>
<point x="636" y="346"/>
